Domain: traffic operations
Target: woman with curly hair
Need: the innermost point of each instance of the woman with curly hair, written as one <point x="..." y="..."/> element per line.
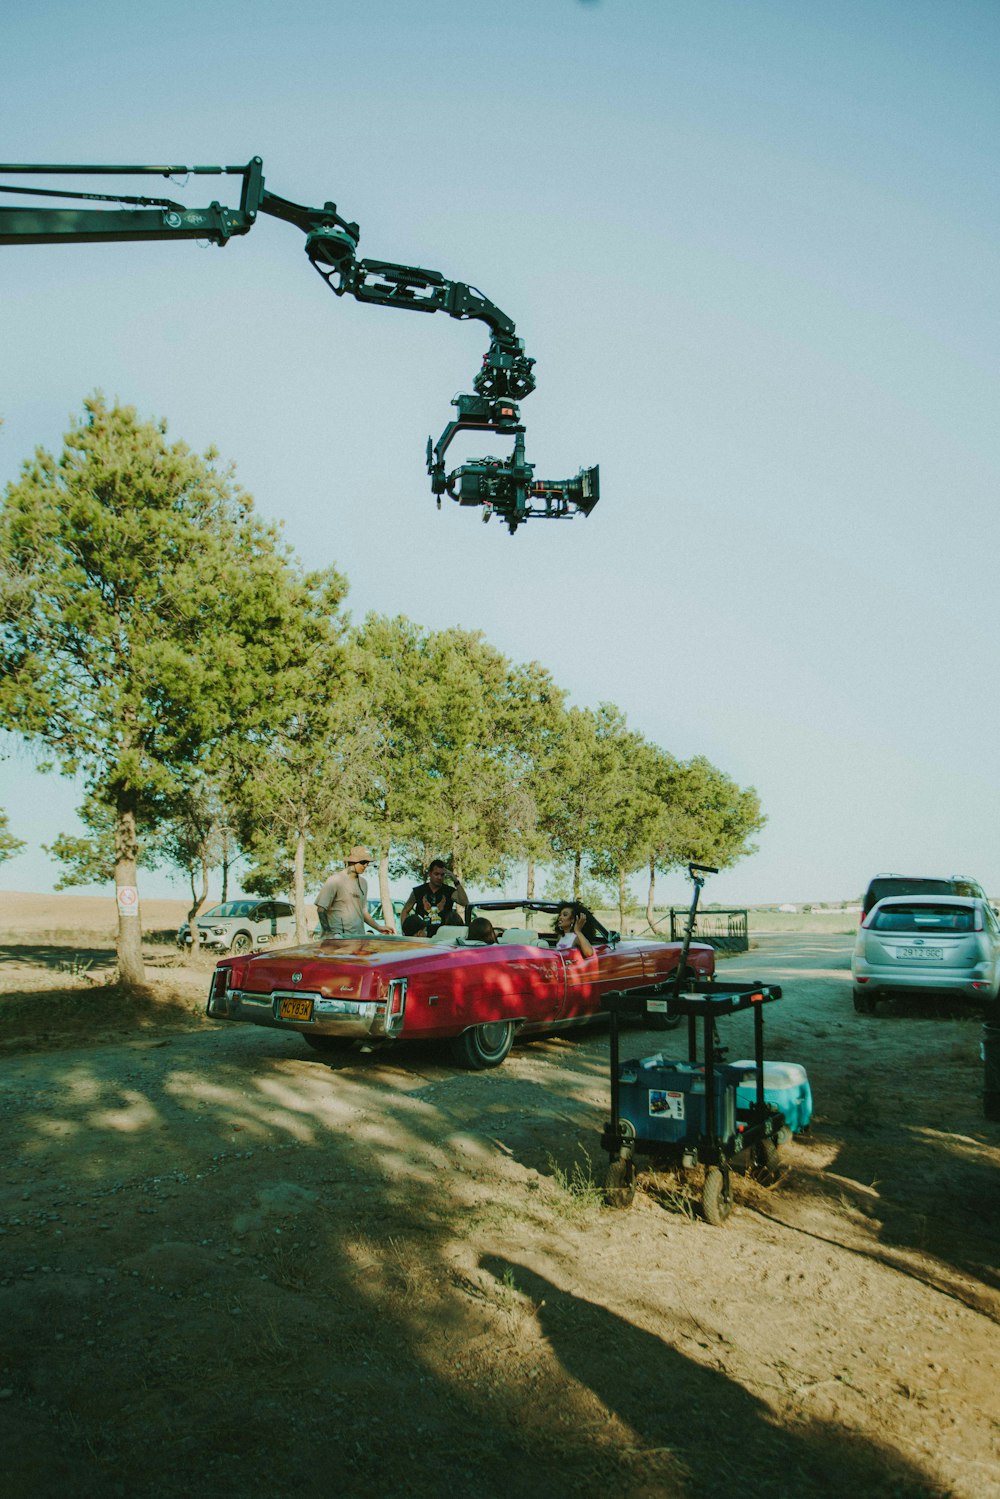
<point x="575" y="928"/>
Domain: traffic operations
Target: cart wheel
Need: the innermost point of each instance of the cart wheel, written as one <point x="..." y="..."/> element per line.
<point x="619" y="1184"/>
<point x="716" y="1197"/>
<point x="766" y="1162"/>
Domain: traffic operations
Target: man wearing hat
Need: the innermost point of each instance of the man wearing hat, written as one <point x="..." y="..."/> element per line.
<point x="342" y="902"/>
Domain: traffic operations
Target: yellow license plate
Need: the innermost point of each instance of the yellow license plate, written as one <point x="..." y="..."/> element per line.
<point x="295" y="1009"/>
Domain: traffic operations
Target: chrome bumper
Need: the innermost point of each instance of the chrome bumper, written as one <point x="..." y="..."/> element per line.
<point x="351" y="1018"/>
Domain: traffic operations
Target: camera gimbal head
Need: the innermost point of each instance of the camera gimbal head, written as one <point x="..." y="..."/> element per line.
<point x="504" y="486"/>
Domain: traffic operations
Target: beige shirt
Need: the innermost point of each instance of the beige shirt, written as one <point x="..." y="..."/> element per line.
<point x="343" y="897"/>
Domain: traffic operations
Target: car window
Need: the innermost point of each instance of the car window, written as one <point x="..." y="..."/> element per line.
<point x="926" y="917"/>
<point x="264" y="911"/>
<point x="235" y="908"/>
<point x="898" y="885"/>
<point x="282" y="909"/>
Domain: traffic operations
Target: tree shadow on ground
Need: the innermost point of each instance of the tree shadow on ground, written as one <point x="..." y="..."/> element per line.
<point x="222" y="1280"/>
<point x="58" y="957"/>
<point x="721" y="1439"/>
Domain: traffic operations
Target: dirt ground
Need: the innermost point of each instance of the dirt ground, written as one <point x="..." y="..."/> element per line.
<point x="230" y="1267"/>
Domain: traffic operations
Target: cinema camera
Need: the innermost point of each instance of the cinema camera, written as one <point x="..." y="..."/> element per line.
<point x="505" y="487"/>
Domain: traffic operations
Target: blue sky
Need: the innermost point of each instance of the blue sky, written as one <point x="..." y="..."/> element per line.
<point x="753" y="248"/>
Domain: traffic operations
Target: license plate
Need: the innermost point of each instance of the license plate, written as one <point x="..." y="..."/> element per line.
<point x="921" y="954"/>
<point x="295" y="1009"/>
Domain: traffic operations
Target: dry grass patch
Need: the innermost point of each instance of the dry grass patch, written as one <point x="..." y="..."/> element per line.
<point x="77" y="1012"/>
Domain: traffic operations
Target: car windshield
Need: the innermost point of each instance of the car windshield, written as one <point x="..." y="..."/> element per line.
<point x="233" y="908"/>
<point x="926" y="917"/>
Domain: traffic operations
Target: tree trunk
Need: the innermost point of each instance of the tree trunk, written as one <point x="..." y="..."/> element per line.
<point x="577" y="860"/>
<point x="529" y="892"/>
<point x="225" y="862"/>
<point x="388" y="914"/>
<point x="621" y="901"/>
<point x="299" y="892"/>
<point x="650" y="894"/>
<point x="129" y="942"/>
<point x="197" y="901"/>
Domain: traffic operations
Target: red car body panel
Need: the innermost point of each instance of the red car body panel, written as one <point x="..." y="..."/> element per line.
<point x="387" y="988"/>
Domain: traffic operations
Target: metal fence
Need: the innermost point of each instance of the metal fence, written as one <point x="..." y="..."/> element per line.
<point x="726" y="931"/>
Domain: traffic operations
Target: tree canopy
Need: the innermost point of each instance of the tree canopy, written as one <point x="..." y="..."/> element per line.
<point x="164" y="645"/>
<point x="149" y="602"/>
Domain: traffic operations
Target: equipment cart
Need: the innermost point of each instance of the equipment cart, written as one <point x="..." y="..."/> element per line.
<point x="685" y="1114"/>
<point x="689" y="1113"/>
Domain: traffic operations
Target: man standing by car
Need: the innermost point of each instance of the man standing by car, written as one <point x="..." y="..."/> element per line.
<point x="342" y="902"/>
<point x="434" y="900"/>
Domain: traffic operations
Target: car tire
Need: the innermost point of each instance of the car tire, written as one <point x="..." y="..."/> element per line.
<point x="716" y="1197"/>
<point x="669" y="1022"/>
<point x="328" y="1044"/>
<point x="864" y="1002"/>
<point x="241" y="943"/>
<point x="483" y="1046"/>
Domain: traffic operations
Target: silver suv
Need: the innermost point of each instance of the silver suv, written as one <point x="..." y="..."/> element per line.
<point x="241" y="925"/>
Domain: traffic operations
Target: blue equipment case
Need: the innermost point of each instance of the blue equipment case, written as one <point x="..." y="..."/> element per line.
<point x="664" y="1100"/>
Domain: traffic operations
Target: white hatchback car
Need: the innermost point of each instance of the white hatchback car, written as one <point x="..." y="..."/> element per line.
<point x="934" y="943"/>
<point x="241" y="925"/>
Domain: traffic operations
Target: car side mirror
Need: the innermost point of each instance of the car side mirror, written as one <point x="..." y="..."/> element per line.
<point x="614" y="938"/>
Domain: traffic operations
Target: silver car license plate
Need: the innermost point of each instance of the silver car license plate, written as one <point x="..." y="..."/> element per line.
<point x="921" y="954"/>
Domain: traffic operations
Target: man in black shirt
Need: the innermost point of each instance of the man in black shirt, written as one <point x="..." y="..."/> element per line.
<point x="435" y="901"/>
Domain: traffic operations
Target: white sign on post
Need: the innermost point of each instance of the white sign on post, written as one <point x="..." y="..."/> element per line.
<point x="128" y="900"/>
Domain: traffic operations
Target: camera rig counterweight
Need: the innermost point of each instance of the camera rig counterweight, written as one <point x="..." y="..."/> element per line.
<point x="505" y="486"/>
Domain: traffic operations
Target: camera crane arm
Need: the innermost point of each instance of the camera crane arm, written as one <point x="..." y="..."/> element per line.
<point x="331" y="244"/>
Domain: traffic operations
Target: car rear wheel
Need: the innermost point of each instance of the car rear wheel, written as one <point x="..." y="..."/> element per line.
<point x="864" y="1002"/>
<point x="484" y="1045"/>
<point x="241" y="943"/>
<point x="670" y="1022"/>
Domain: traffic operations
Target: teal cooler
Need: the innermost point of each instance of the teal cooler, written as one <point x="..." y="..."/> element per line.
<point x="664" y="1100"/>
<point x="786" y="1087"/>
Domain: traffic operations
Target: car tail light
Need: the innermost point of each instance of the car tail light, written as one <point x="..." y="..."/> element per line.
<point x="860" y="980"/>
<point x="395" y="1007"/>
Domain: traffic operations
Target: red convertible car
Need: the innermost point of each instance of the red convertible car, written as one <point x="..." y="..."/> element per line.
<point x="343" y="990"/>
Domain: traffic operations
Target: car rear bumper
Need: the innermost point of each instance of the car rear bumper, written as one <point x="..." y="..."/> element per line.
<point x="351" y="1019"/>
<point x="899" y="980"/>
